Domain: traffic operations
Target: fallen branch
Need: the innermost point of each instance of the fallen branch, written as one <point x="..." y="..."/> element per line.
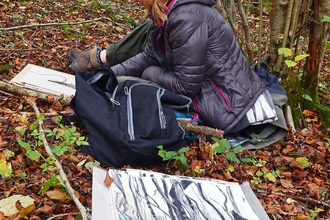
<point x="299" y="198"/>
<point x="201" y="129"/>
<point x="19" y="49"/>
<point x="21" y="91"/>
<point x="58" y="165"/>
<point x="61" y="215"/>
<point x="57" y="24"/>
<point x="47" y="114"/>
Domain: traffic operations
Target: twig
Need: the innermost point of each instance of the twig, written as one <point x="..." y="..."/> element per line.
<point x="300" y="198"/>
<point x="47" y="114"/>
<point x="56" y="24"/>
<point x="19" y="50"/>
<point x="17" y="90"/>
<point x="62" y="215"/>
<point x="64" y="178"/>
<point x="200" y="129"/>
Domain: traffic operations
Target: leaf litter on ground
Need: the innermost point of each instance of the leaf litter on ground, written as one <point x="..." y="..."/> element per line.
<point x="290" y="178"/>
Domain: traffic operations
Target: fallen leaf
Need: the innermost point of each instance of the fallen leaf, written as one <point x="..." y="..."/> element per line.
<point x="31" y="100"/>
<point x="25" y="211"/>
<point x="108" y="180"/>
<point x="8" y="205"/>
<point x="46" y="209"/>
<point x="286" y="183"/>
<point x="299" y="174"/>
<point x="56" y="194"/>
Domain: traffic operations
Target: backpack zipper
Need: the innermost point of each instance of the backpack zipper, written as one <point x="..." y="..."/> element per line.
<point x="112" y="97"/>
<point x="162" y="118"/>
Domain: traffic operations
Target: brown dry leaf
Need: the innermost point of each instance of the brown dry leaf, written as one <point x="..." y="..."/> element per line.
<point x="288" y="207"/>
<point x="286" y="175"/>
<point x="57" y="106"/>
<point x="31" y="100"/>
<point x="317" y="181"/>
<point x="50" y="98"/>
<point x="46" y="209"/>
<point x="56" y="194"/>
<point x="108" y="180"/>
<point x="286" y="183"/>
<point x="69" y="217"/>
<point x="196" y="163"/>
<point x="19" y="158"/>
<point x="27" y="210"/>
<point x="301" y="216"/>
<point x="314" y="190"/>
<point x="299" y="174"/>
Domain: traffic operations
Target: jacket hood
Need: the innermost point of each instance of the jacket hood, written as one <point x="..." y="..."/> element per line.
<point x="205" y="2"/>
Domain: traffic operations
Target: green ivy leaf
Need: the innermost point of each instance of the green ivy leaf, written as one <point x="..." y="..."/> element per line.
<point x="290" y="63"/>
<point x="285" y="51"/>
<point x="53" y="181"/>
<point x="326" y="18"/>
<point x="170" y="154"/>
<point x="237" y="149"/>
<point x="230" y="155"/>
<point x="183" y="159"/>
<point x="300" y="57"/>
<point x="220" y="149"/>
<point x="184" y="149"/>
<point x="23" y="144"/>
<point x="34" y="155"/>
<point x="307" y="97"/>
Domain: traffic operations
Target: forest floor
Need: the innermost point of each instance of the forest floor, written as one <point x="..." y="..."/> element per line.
<point x="291" y="178"/>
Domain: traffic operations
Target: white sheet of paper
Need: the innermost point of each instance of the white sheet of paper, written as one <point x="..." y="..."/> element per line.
<point x="37" y="78"/>
<point x="139" y="194"/>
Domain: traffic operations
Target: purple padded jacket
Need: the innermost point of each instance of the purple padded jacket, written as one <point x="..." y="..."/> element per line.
<point x="195" y="53"/>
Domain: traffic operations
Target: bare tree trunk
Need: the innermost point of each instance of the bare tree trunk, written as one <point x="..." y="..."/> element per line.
<point x="219" y="7"/>
<point x="278" y="16"/>
<point x="279" y="66"/>
<point x="318" y="36"/>
<point x="246" y="30"/>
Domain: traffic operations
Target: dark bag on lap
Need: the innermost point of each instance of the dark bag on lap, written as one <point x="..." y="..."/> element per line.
<point x="130" y="45"/>
<point x="126" y="122"/>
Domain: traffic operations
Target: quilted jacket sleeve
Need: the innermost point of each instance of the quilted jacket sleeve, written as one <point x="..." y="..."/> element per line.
<point x="186" y="39"/>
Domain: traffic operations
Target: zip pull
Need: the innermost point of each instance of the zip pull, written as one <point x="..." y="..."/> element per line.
<point x="163" y="117"/>
<point x="114" y="101"/>
<point x="126" y="90"/>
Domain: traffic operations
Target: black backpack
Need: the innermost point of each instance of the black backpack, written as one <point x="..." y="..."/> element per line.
<point x="126" y="122"/>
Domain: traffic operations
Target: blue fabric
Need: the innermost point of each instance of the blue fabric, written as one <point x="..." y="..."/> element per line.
<point x="270" y="80"/>
<point x="190" y="117"/>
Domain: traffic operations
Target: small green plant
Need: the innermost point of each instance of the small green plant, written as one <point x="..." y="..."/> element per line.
<point x="52" y="182"/>
<point x="287" y="52"/>
<point x="314" y="213"/>
<point x="265" y="175"/>
<point x="48" y="164"/>
<point x="31" y="153"/>
<point x="224" y="146"/>
<point x="254" y="161"/>
<point x="198" y="170"/>
<point x="256" y="179"/>
<point x="65" y="136"/>
<point x="173" y="155"/>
